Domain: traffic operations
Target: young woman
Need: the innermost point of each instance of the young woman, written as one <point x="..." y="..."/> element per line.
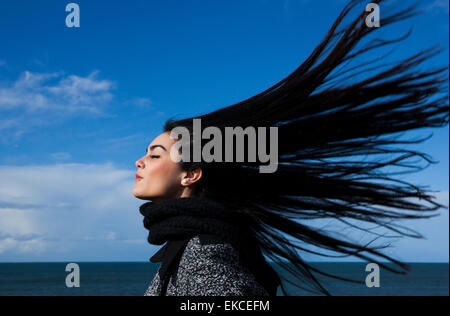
<point x="220" y="220"/>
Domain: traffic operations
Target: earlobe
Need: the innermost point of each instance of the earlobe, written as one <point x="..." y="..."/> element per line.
<point x="192" y="177"/>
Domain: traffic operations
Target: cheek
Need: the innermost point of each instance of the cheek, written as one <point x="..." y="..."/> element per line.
<point x="163" y="175"/>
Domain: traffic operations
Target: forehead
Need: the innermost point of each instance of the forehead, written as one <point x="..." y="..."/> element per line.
<point x="163" y="139"/>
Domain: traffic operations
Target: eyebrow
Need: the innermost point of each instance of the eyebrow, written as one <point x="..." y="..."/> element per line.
<point x="155" y="146"/>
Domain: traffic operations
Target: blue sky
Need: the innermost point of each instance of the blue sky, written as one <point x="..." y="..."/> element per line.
<point x="79" y="106"/>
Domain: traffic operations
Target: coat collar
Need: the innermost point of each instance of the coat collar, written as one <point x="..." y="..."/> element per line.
<point x="170" y="254"/>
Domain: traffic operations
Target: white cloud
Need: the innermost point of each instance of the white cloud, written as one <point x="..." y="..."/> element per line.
<point x="60" y="156"/>
<point x="140" y="102"/>
<point x="36" y="91"/>
<point x="70" y="211"/>
<point x="111" y="236"/>
<point x="19" y="231"/>
<point x="49" y="185"/>
<point x="17" y="222"/>
<point x="442" y="197"/>
<point x="50" y="209"/>
<point x="439" y="5"/>
<point x="40" y="99"/>
<point x="34" y="246"/>
<point x="434" y="247"/>
<point x="119" y="143"/>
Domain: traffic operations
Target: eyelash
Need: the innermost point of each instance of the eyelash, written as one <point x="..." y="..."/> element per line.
<point x="154" y="156"/>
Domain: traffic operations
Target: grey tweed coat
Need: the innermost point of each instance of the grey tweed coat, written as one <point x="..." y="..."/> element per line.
<point x="208" y="270"/>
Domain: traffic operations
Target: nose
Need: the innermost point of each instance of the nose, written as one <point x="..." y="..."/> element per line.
<point x="139" y="163"/>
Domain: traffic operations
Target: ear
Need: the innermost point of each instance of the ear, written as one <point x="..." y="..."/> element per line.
<point x="192" y="176"/>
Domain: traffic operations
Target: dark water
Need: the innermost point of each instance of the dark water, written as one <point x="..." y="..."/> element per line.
<point x="121" y="279"/>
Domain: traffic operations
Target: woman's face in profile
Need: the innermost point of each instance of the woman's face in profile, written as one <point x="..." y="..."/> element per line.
<point x="158" y="176"/>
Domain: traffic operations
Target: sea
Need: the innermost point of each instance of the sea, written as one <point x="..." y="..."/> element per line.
<point x="133" y="278"/>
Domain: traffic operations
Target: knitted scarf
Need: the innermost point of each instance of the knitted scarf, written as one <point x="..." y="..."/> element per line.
<point x="176" y="221"/>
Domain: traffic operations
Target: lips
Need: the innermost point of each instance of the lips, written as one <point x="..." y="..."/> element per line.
<point x="138" y="177"/>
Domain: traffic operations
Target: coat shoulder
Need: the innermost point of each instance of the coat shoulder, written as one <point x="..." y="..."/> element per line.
<point x="209" y="269"/>
<point x="214" y="269"/>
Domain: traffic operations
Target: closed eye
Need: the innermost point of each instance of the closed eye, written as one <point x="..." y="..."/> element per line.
<point x="154" y="156"/>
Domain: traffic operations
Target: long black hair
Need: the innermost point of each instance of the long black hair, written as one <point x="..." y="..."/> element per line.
<point x="328" y="118"/>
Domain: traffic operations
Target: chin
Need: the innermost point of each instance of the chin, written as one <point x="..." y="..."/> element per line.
<point x="136" y="194"/>
<point x="139" y="195"/>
